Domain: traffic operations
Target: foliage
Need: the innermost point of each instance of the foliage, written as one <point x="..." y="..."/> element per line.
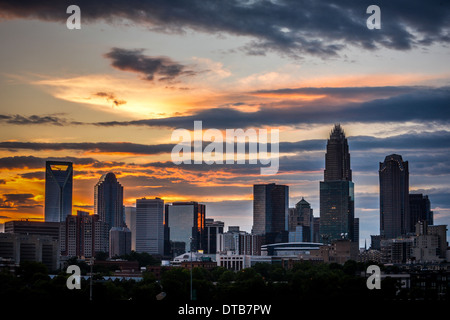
<point x="262" y="282"/>
<point x="143" y="258"/>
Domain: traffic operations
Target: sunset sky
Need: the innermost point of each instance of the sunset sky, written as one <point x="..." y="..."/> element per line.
<point x="109" y="96"/>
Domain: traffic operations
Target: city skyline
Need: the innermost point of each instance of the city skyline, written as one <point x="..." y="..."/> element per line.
<point x="108" y="96"/>
<point x="111" y="176"/>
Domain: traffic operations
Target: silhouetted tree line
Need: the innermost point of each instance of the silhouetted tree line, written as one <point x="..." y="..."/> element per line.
<point x="260" y="283"/>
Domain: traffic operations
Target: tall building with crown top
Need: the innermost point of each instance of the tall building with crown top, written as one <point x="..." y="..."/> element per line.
<point x="108" y="200"/>
<point x="337" y="191"/>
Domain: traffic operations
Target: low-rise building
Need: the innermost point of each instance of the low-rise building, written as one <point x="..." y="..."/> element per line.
<point x="23" y="247"/>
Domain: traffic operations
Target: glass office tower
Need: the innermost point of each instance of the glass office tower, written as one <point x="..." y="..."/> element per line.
<point x="212" y="230"/>
<point x="271" y="212"/>
<point x="186" y="224"/>
<point x="108" y="200"/>
<point x="58" y="190"/>
<point x="419" y="210"/>
<point x="150" y="226"/>
<point x="394" y="197"/>
<point x="302" y="216"/>
<point x="337" y="202"/>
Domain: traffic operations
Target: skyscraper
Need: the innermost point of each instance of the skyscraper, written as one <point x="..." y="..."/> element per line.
<point x="394" y="197"/>
<point x="337" y="190"/>
<point x="212" y="230"/>
<point x="119" y="241"/>
<point x="419" y="209"/>
<point x="316" y="230"/>
<point x="337" y="158"/>
<point x="83" y="235"/>
<point x="186" y="224"/>
<point x="130" y="221"/>
<point x="150" y="226"/>
<point x="108" y="200"/>
<point x="441" y="232"/>
<point x="270" y="212"/>
<point x="302" y="216"/>
<point x="58" y="190"/>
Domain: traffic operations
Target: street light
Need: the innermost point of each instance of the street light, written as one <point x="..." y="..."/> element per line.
<point x="191" y="263"/>
<point x="91" y="263"/>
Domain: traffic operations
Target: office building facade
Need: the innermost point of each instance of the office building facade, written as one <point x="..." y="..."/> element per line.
<point x="238" y="242"/>
<point x="271" y="212"/>
<point x="33" y="227"/>
<point x="108" y="200"/>
<point x="301" y="218"/>
<point x="186" y="225"/>
<point x="84" y="235"/>
<point x="337" y="200"/>
<point x="30" y="247"/>
<point x="58" y="190"/>
<point x="419" y="210"/>
<point x="119" y="241"/>
<point x="130" y="221"/>
<point x="395" y="220"/>
<point x="396" y="250"/>
<point x="212" y="231"/>
<point x="316" y="230"/>
<point x="355" y="230"/>
<point x="150" y="226"/>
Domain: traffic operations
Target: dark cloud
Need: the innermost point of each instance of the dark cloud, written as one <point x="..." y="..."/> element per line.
<point x="431" y="164"/>
<point x="420" y="104"/>
<point x="31" y="162"/>
<point x="21" y="162"/>
<point x="410" y="141"/>
<point x="97" y="147"/>
<point x="205" y="169"/>
<point x="33" y="119"/>
<point x="434" y="143"/>
<point x="18" y="197"/>
<point x="19" y="201"/>
<point x="40" y="175"/>
<point x="344" y="92"/>
<point x="110" y="97"/>
<point x="84" y="207"/>
<point x="381" y="104"/>
<point x="292" y="27"/>
<point x="427" y="153"/>
<point x="151" y="68"/>
<point x="161" y="186"/>
<point x="106" y="164"/>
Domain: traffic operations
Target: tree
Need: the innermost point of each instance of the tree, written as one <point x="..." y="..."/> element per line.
<point x="143" y="258"/>
<point x="29" y="270"/>
<point x="227" y="277"/>
<point x="101" y="256"/>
